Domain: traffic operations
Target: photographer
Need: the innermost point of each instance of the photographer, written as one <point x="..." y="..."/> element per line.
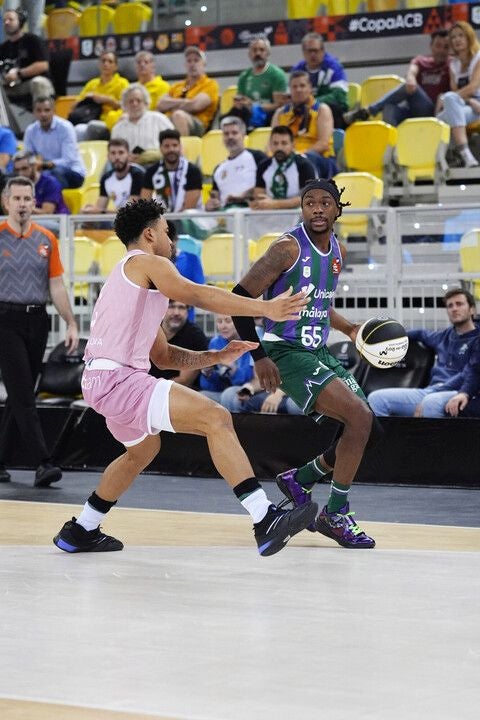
<point x="23" y="62"/>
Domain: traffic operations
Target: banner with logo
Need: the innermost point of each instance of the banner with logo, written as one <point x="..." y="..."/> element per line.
<point x="474" y="16"/>
<point x="282" y="32"/>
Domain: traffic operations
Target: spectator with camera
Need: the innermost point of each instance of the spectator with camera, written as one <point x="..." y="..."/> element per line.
<point x="24" y="62"/>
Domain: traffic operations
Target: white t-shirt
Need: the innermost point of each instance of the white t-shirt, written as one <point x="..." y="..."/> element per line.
<point x="234" y="176"/>
<point x="145" y="132"/>
<point x="463" y="77"/>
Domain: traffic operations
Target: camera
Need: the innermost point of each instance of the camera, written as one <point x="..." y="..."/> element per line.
<point x="5" y="66"/>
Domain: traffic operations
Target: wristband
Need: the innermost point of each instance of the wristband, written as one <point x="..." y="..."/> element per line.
<point x="245" y="326"/>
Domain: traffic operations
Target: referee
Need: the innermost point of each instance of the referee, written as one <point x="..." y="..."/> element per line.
<point x="30" y="272"/>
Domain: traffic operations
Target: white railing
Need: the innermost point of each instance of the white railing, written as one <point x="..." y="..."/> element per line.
<point x="402" y="269"/>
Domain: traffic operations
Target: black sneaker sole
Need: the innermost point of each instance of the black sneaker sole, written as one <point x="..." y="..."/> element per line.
<point x="282" y="486"/>
<point x="323" y="529"/>
<point x="112" y="545"/>
<point x="300" y="518"/>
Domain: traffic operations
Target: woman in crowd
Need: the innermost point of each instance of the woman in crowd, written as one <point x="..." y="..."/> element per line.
<point x="461" y="106"/>
<point x="105" y="90"/>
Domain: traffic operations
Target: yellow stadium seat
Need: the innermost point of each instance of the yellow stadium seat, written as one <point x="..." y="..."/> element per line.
<point x="421" y="147"/>
<point x="298" y="9"/>
<point x="409" y="4"/>
<point x="63" y="105"/>
<point x="226" y="100"/>
<point x="368" y="147"/>
<point x="62" y="23"/>
<point x="259" y="247"/>
<point x="381" y="5"/>
<point x="95" y="20"/>
<point x="76" y="198"/>
<point x="85" y="262"/>
<point x="470" y="256"/>
<point x="213" y="151"/>
<point x="111" y="251"/>
<point x="362" y="190"/>
<point x="258" y="139"/>
<point x="94" y="155"/>
<point x="206" y="190"/>
<point x="217" y="259"/>
<point x="354" y="94"/>
<point x="192" y="148"/>
<point x="344" y="7"/>
<point x="376" y="86"/>
<point x="131" y="17"/>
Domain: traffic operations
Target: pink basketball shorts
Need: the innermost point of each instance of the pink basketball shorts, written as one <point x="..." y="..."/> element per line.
<point x="134" y="403"/>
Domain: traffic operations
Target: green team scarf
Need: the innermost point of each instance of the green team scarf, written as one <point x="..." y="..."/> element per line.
<point x="279" y="187"/>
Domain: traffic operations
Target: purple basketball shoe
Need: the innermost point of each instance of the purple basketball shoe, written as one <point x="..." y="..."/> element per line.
<point x="340" y="526"/>
<point x="294" y="492"/>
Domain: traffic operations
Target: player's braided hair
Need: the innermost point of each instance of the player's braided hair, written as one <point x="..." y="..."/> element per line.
<point x="132" y="219"/>
<point x="329" y="186"/>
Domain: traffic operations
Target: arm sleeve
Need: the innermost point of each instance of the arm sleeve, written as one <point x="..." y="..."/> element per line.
<point x="147" y="181"/>
<point x="241" y="83"/>
<point x="55" y="267"/>
<point x="306" y="171"/>
<point x="68" y="147"/>
<point x="194" y="179"/>
<point x="137" y="180"/>
<point x="245" y="326"/>
<point x="103" y="190"/>
<point x="260" y="182"/>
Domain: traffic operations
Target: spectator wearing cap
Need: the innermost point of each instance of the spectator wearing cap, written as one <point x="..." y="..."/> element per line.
<point x="192" y="103"/>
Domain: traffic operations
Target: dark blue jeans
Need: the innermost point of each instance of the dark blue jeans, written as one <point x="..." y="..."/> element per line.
<point x="66" y="177"/>
<point x="398" y="105"/>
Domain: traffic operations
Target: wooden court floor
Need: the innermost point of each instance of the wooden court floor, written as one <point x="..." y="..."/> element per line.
<point x="189" y="623"/>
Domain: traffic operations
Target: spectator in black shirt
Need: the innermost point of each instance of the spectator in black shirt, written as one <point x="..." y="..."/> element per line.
<point x="28" y="78"/>
<point x="174" y="180"/>
<point x="181" y="332"/>
<point x="280" y="178"/>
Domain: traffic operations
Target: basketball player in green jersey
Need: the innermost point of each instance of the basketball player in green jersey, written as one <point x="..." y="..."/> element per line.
<point x="294" y="354"/>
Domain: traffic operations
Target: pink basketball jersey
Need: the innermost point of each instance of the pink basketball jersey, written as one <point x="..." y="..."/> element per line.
<point x="125" y="320"/>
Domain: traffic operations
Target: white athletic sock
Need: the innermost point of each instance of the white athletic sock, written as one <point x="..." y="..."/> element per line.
<point x="90" y="518"/>
<point x="256" y="504"/>
<point x="468" y="157"/>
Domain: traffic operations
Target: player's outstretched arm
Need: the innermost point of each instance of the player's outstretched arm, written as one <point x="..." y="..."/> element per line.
<point x="168" y="280"/>
<point x="171" y="357"/>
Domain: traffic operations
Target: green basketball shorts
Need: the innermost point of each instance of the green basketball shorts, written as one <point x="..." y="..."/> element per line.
<point x="305" y="373"/>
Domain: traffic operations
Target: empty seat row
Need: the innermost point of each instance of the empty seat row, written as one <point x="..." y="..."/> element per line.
<point x="127" y="17"/>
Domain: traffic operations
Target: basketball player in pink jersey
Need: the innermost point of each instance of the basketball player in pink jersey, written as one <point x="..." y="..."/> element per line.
<point x="125" y="334"/>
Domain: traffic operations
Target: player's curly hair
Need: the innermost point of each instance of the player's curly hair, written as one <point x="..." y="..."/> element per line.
<point x="132" y="219"/>
<point x="330" y="186"/>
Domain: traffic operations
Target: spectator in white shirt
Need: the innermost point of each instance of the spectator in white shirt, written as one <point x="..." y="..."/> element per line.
<point x="139" y="126"/>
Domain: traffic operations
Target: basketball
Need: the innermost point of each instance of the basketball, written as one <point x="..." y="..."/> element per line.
<point x="382" y="342"/>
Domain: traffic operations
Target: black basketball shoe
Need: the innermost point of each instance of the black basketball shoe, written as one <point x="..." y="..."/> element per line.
<point x="278" y="526"/>
<point x="74" y="538"/>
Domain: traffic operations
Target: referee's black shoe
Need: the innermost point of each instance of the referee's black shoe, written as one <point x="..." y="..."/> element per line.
<point x="4" y="474"/>
<point x="46" y="474"/>
<point x="278" y="526"/>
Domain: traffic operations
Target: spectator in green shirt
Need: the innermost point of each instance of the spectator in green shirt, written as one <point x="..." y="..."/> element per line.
<point x="261" y="89"/>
